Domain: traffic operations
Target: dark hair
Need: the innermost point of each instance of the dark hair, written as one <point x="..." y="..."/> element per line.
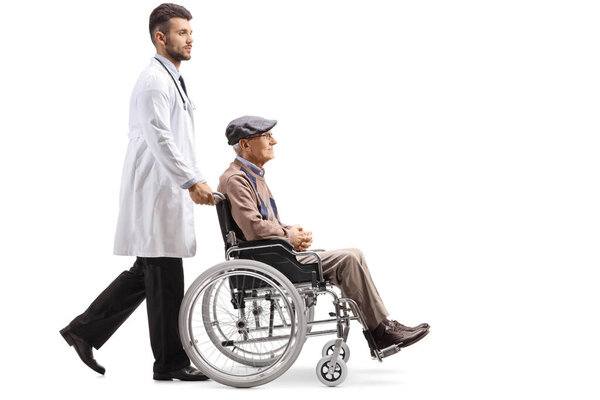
<point x="160" y="16"/>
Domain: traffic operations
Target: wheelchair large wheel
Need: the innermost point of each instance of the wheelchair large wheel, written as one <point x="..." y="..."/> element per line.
<point x="242" y="323"/>
<point x="225" y="328"/>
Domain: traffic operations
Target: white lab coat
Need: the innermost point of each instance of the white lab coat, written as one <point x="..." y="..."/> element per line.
<point x="156" y="214"/>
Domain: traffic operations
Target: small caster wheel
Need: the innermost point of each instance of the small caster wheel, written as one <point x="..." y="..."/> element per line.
<point x="339" y="374"/>
<point x="330" y="346"/>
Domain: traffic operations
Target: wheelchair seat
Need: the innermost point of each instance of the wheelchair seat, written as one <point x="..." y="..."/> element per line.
<point x="276" y="252"/>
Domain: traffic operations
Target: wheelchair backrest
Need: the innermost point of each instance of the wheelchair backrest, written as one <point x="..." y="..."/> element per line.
<point x="229" y="229"/>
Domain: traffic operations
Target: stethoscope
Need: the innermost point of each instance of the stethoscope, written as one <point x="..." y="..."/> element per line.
<point x="177" y="86"/>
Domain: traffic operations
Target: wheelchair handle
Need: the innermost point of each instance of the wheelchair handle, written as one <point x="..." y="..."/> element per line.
<point x="221" y="196"/>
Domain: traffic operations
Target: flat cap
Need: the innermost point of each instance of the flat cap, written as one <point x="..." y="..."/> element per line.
<point x="246" y="126"/>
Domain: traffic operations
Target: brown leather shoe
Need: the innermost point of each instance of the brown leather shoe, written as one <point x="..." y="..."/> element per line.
<point x="398" y="327"/>
<point x="386" y="336"/>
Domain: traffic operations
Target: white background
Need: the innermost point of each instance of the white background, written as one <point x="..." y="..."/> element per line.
<point x="455" y="142"/>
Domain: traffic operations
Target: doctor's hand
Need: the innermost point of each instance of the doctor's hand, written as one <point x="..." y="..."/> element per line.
<point x="201" y="193"/>
<point x="302" y="239"/>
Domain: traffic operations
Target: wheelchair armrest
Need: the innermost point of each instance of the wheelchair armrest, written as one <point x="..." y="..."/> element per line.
<point x="280" y="254"/>
<point x="266" y="243"/>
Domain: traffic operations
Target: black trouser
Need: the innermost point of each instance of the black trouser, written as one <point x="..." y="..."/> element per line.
<point x="160" y="282"/>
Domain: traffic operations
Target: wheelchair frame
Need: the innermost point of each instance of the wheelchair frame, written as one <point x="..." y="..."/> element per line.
<point x="331" y="369"/>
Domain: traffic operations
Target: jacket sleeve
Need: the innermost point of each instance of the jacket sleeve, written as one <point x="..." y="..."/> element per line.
<point x="154" y="108"/>
<point x="244" y="211"/>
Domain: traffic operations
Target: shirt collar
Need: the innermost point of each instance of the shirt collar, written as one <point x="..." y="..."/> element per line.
<point x="258" y="171"/>
<point x="169" y="66"/>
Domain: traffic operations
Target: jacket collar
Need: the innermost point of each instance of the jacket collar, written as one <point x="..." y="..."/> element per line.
<point x="256" y="170"/>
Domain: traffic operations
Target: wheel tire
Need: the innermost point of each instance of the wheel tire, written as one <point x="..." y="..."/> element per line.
<point x="339" y="375"/>
<point x="330" y="346"/>
<point x="199" y="345"/>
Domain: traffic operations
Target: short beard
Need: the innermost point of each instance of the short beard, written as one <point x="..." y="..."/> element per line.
<point x="173" y="54"/>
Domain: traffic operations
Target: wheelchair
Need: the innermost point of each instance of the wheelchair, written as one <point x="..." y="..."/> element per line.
<point x="244" y="321"/>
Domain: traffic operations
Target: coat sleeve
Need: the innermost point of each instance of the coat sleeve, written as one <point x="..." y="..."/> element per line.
<point x="244" y="210"/>
<point x="153" y="105"/>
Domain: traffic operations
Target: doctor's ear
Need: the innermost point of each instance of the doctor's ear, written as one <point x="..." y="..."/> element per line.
<point x="160" y="37"/>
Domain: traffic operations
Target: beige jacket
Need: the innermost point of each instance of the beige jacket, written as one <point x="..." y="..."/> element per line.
<point x="252" y="205"/>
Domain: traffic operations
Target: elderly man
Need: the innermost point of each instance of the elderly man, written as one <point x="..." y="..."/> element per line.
<point x="255" y="212"/>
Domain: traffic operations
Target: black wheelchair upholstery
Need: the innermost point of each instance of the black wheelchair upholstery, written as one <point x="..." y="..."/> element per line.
<point x="276" y="252"/>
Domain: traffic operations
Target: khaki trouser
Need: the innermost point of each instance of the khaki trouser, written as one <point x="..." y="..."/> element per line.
<point x="347" y="269"/>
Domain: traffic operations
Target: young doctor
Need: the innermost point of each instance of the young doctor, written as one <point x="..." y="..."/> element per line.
<point x="159" y="187"/>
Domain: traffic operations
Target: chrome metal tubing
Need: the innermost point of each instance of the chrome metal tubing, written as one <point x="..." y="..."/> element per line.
<point x="322" y="333"/>
<point x="355" y="309"/>
<point x="221" y="196"/>
<point x="314" y="253"/>
<point x="323" y="321"/>
<point x="258" y="340"/>
<point x="361" y="319"/>
<point x="265" y="328"/>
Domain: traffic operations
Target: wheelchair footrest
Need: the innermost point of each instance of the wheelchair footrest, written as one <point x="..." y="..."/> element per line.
<point x="380" y="353"/>
<point x="388" y="351"/>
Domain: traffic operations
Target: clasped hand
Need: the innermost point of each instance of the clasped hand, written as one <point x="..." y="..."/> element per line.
<point x="302" y="239"/>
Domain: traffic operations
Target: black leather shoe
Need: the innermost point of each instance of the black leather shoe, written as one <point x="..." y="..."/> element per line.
<point x="83" y="349"/>
<point x="184" y="374"/>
